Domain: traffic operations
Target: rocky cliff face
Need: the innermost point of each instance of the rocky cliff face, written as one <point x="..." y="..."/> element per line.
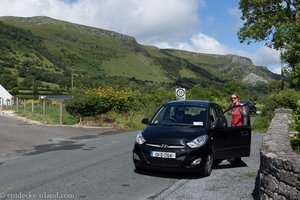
<point x="242" y="61"/>
<point x="253" y="78"/>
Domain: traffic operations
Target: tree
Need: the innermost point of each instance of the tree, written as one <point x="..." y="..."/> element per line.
<point x="27" y="82"/>
<point x="292" y="57"/>
<point x="232" y="86"/>
<point x="272" y="21"/>
<point x="273" y="86"/>
<point x="8" y="81"/>
<point x="277" y="22"/>
<point x="199" y="92"/>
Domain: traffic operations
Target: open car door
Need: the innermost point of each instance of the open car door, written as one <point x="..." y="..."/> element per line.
<point x="232" y="139"/>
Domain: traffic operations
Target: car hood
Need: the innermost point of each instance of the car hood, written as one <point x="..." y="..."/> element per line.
<point x="171" y="134"/>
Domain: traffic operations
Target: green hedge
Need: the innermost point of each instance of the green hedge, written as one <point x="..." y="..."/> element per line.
<point x="287" y="98"/>
<point x="296" y="117"/>
<point x="88" y="105"/>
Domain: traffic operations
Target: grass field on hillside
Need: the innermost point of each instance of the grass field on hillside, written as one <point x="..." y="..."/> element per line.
<point x="135" y="66"/>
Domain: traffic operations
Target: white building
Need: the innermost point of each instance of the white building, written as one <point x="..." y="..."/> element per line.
<point x="5" y="97"/>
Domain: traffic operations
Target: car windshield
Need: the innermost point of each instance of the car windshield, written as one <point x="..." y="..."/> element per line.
<point x="181" y="115"/>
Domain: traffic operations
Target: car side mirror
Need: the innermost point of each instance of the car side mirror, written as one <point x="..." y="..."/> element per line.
<point x="145" y="121"/>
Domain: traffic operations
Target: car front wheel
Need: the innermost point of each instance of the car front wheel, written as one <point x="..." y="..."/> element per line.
<point x="208" y="165"/>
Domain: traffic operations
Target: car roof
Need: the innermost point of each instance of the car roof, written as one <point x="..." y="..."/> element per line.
<point x="190" y="102"/>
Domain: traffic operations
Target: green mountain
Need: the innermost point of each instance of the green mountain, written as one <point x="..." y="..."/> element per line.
<point x="50" y="53"/>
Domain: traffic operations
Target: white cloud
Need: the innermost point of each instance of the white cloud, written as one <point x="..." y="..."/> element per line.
<point x="202" y="43"/>
<point x="198" y="43"/>
<point x="275" y="68"/>
<point x="266" y="56"/>
<point x="206" y="44"/>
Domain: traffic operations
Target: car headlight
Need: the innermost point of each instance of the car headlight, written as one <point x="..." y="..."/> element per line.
<point x="140" y="139"/>
<point x="198" y="142"/>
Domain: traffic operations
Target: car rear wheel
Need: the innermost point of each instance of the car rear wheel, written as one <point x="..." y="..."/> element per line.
<point x="237" y="162"/>
<point x="208" y="165"/>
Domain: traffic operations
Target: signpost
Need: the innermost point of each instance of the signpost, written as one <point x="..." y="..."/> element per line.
<point x="44" y="103"/>
<point x="180" y="94"/>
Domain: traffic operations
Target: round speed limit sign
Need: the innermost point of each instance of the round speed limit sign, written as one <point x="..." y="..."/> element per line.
<point x="180" y="93"/>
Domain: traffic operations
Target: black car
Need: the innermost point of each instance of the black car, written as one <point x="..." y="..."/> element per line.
<point x="190" y="136"/>
<point x="251" y="106"/>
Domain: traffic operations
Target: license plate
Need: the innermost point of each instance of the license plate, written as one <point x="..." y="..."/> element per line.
<point x="158" y="154"/>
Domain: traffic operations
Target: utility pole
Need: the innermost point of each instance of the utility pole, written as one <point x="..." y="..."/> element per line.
<point x="72" y="78"/>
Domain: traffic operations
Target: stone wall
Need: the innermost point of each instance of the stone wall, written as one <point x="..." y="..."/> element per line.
<point x="279" y="164"/>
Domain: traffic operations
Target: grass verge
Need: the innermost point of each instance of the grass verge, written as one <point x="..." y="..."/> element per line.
<point x="261" y="124"/>
<point x="295" y="142"/>
<point x="249" y="175"/>
<point x="50" y="116"/>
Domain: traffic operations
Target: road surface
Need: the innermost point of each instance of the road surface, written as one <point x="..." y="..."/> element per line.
<point x="100" y="167"/>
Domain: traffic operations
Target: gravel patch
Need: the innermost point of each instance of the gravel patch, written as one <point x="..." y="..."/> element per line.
<point x="225" y="182"/>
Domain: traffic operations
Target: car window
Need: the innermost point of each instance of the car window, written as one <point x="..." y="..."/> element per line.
<point x="181" y="114"/>
<point x="212" y="115"/>
<point x="161" y="114"/>
<point x="218" y="109"/>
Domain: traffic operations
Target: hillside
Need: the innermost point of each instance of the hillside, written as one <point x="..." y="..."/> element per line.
<point x="53" y="51"/>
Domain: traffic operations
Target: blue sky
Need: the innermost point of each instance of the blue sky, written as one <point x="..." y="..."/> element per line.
<point x="205" y="26"/>
<point x="225" y="22"/>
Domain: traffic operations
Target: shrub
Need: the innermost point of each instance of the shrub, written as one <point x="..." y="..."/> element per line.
<point x="87" y="105"/>
<point x="121" y="100"/>
<point x="261" y="124"/>
<point x="296" y="117"/>
<point x="285" y="99"/>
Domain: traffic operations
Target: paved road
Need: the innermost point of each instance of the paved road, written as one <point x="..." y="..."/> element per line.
<point x="19" y="135"/>
<point x="101" y="167"/>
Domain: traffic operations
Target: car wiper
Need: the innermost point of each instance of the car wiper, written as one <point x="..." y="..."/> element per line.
<point x="168" y="124"/>
<point x="176" y="124"/>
